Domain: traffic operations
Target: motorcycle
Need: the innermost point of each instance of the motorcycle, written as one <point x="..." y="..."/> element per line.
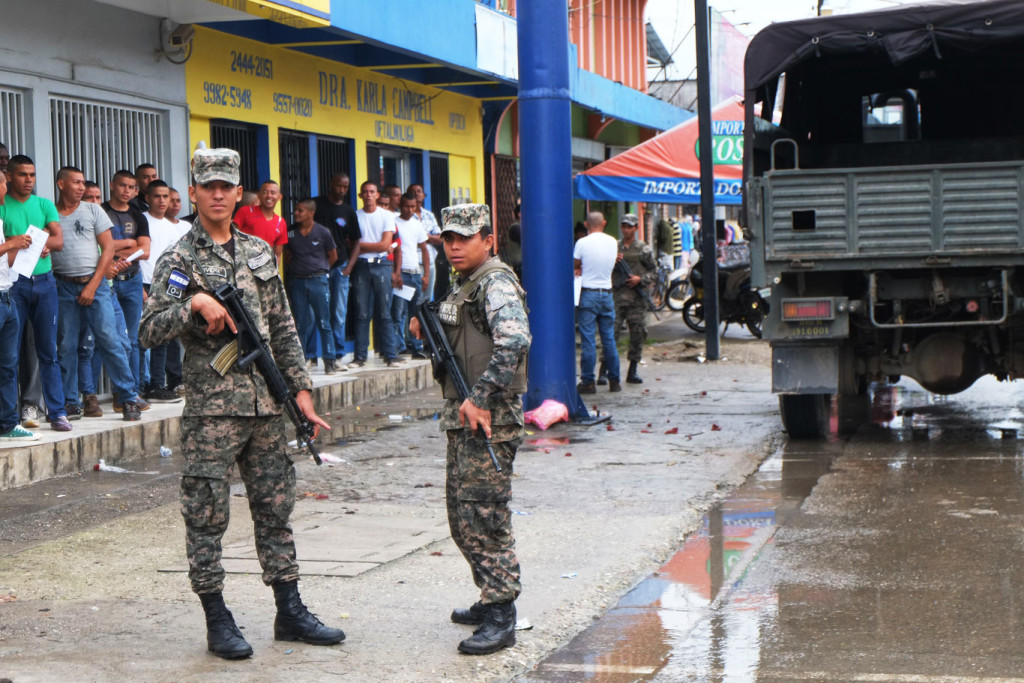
<point x="738" y="302"/>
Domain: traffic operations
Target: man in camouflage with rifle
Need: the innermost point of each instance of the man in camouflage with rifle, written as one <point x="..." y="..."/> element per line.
<point x="484" y="319"/>
<point x="232" y="417"/>
<point x="630" y="308"/>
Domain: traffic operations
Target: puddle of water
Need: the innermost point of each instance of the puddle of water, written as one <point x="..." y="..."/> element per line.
<point x="640" y="638"/>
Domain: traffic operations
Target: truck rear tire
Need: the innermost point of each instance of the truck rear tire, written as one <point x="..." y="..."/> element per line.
<point x="805" y="416"/>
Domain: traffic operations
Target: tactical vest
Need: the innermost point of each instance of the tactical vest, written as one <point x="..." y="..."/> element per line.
<point x="474" y="347"/>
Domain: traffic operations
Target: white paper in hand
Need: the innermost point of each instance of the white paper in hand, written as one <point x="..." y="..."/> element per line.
<point x="406" y="292"/>
<point x="26" y="260"/>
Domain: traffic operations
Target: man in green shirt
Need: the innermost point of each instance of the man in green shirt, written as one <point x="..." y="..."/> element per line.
<point x="36" y="297"/>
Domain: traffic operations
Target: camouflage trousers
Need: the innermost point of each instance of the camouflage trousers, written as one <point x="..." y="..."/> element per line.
<point x="478" y="514"/>
<point x="631" y="312"/>
<point x="211" y="446"/>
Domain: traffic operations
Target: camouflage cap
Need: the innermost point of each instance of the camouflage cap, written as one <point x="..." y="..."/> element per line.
<point x="216" y="164"/>
<point x="465" y="219"/>
<point x="630" y="219"/>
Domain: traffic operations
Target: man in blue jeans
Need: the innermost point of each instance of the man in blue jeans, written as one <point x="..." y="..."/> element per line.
<point x="594" y="257"/>
<point x="83" y="294"/>
<point x="336" y="215"/>
<point x="371" y="277"/>
<point x="10" y="431"/>
<point x="36" y="296"/>
<point x="414" y="250"/>
<point x="130" y="232"/>
<point x="308" y="254"/>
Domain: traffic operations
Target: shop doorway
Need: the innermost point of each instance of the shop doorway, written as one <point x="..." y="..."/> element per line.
<point x="333" y="155"/>
<point x="244" y="139"/>
<point x="295" y="181"/>
<point x="393" y="166"/>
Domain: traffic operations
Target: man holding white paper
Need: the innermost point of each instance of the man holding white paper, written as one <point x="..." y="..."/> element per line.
<point x="414" y="239"/>
<point x="83" y="295"/>
<point x="35" y="296"/>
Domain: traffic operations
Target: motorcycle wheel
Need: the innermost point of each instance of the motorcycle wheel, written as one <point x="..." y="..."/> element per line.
<point x="693" y="314"/>
<point x="678" y="294"/>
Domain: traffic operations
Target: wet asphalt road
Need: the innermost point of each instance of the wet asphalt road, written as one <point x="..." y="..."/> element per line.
<point x="896" y="554"/>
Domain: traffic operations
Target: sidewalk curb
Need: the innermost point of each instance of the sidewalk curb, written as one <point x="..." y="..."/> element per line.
<point x="125" y="442"/>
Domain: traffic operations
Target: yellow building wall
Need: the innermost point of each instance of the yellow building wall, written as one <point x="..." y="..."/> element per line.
<point x="243" y="80"/>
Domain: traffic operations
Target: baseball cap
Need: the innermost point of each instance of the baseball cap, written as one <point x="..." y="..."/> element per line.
<point x="465" y="219"/>
<point x="630" y="219"/>
<point x="216" y="164"/>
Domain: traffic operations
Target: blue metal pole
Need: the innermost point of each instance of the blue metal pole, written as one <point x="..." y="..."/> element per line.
<point x="545" y="143"/>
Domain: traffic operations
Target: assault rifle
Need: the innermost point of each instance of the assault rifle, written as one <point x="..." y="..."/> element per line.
<point x="445" y="362"/>
<point x="626" y="272"/>
<point x="248" y="347"/>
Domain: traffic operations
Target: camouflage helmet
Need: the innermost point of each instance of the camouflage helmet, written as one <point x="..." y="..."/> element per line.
<point x="630" y="219"/>
<point x="465" y="219"/>
<point x="216" y="164"/>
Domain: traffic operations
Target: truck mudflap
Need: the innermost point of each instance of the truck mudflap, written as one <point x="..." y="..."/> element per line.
<point x="805" y="368"/>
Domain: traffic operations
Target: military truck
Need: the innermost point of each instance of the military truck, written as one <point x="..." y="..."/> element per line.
<point x="884" y="195"/>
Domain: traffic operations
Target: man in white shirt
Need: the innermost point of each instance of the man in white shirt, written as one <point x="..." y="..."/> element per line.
<point x="437" y="259"/>
<point x="163" y="234"/>
<point x="594" y="255"/>
<point x="414" y="248"/>
<point x="371" y="277"/>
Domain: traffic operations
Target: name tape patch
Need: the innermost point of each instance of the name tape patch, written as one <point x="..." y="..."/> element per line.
<point x="258" y="260"/>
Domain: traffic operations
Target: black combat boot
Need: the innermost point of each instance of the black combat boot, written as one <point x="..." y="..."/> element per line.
<point x="294" y="621"/>
<point x="497" y="631"/>
<point x="602" y="375"/>
<point x="474" y="616"/>
<point x="222" y="636"/>
<point x="631" y="376"/>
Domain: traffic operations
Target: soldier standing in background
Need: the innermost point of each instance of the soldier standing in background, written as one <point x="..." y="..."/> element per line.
<point x="484" y="318"/>
<point x="232" y="418"/>
<point x="630" y="309"/>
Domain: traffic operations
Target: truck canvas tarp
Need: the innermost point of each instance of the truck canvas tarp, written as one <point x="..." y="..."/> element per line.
<point x="884" y="195"/>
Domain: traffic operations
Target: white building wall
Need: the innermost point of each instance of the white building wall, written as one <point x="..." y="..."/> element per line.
<point x="97" y="52"/>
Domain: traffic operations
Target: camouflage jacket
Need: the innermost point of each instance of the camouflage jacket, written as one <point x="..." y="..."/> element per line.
<point x="496" y="306"/>
<point x="641" y="262"/>
<point x="168" y="314"/>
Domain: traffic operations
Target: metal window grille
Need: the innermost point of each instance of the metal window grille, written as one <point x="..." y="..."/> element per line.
<point x="242" y="138"/>
<point x="506" y="186"/>
<point x="12" y="120"/>
<point x="439" y="196"/>
<point x="333" y="155"/>
<point x="295" y="181"/>
<point x="101" y="139"/>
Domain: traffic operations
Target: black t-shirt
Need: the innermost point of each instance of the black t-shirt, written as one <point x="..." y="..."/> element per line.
<point x="341" y="220"/>
<point x="128" y="225"/>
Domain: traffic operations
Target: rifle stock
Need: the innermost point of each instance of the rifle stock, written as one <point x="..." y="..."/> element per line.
<point x="251" y="348"/>
<point x="445" y="363"/>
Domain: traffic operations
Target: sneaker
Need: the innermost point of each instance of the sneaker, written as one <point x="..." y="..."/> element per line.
<point x="180" y="390"/>
<point x="117" y="405"/>
<point x="74" y="412"/>
<point x="162" y="395"/>
<point x="392" y="362"/>
<point x="329" y="368"/>
<point x="91" y="406"/>
<point x="311" y="363"/>
<point x="614" y="385"/>
<point x="19" y="433"/>
<point x="355" y="364"/>
<point x="143" y="405"/>
<point x="60" y="424"/>
<point x="132" y="411"/>
<point x="30" y="417"/>
<point x="586" y="388"/>
<point x="420" y="355"/>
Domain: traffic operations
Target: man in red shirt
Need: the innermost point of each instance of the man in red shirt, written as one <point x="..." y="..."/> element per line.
<point x="261" y="221"/>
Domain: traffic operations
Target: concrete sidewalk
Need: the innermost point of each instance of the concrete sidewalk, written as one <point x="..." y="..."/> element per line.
<point x="116" y="441"/>
<point x="597" y="509"/>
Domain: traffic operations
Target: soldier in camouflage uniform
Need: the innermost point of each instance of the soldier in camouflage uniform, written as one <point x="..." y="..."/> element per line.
<point x="484" y="318"/>
<point x="629" y="305"/>
<point x="232" y="418"/>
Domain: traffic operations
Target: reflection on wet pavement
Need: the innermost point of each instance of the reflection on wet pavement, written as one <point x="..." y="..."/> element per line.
<point x="894" y="555"/>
